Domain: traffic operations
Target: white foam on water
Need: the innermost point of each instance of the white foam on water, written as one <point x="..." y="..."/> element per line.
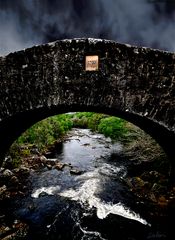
<point x="90" y="233"/>
<point x="49" y="190"/>
<point x="111" y="171"/>
<point x="86" y="195"/>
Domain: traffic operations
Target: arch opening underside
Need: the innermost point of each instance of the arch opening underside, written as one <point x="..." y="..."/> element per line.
<point x="13" y="127"/>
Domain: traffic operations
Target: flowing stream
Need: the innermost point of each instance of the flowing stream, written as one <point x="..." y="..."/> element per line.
<point x="91" y="202"/>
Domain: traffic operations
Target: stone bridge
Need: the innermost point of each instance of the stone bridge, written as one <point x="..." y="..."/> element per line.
<point x="136" y="84"/>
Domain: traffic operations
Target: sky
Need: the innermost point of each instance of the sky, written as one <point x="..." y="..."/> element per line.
<point x="149" y="23"/>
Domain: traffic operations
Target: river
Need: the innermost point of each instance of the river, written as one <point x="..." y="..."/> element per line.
<point x="88" y="199"/>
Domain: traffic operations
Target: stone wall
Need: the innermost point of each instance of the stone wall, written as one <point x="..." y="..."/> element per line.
<point x="134" y="83"/>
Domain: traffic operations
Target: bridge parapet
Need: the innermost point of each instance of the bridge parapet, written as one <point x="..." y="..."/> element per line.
<point x="129" y="78"/>
<point x="135" y="83"/>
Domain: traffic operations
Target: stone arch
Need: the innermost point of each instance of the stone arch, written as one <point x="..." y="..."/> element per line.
<point x="137" y="84"/>
<point x="14" y="127"/>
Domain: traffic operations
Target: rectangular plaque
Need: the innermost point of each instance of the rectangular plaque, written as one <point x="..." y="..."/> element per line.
<point x="91" y="63"/>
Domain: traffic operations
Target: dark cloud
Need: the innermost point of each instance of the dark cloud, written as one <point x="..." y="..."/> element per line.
<point x="24" y="23"/>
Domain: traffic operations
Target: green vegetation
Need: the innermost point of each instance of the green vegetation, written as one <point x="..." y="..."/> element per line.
<point x="142" y="147"/>
<point x="113" y="127"/>
<point x="46" y="133"/>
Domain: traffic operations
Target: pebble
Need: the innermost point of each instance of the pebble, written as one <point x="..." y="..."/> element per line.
<point x="7" y="173"/>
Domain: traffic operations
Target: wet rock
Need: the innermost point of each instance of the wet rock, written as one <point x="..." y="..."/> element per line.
<point x="52" y="161"/>
<point x="23" y="170"/>
<point x="9" y="237"/>
<point x="43" y="158"/>
<point x="3" y="189"/>
<point x="13" y="181"/>
<point x="49" y="167"/>
<point x="152" y="176"/>
<point x="34" y="151"/>
<point x="162" y="201"/>
<point x="8" y="163"/>
<point x="48" y="154"/>
<point x="17" y="231"/>
<point x="4" y="193"/>
<point x="75" y="171"/>
<point x="158" y="189"/>
<point x="21" y="194"/>
<point x="137" y="183"/>
<point x="59" y="166"/>
<point x="4" y="232"/>
<point x="2" y="170"/>
<point x="7" y="173"/>
<point x="37" y="161"/>
<point x="86" y="144"/>
<point x="43" y="194"/>
<point x="152" y="197"/>
<point x="35" y="166"/>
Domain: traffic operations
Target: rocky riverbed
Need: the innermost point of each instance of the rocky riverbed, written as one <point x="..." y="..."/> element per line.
<point x="92" y="175"/>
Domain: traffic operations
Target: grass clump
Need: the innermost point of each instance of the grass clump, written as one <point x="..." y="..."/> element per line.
<point x="113" y="127"/>
<point x="46" y="132"/>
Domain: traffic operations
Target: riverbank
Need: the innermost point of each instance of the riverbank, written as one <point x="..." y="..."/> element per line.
<point x="49" y="132"/>
<point x="154" y="199"/>
<point x="146" y="177"/>
<point x="148" y="166"/>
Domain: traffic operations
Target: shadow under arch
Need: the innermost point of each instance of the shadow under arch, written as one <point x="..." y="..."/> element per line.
<point x="13" y="127"/>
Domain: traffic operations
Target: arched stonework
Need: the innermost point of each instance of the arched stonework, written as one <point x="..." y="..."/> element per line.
<point x="137" y="84"/>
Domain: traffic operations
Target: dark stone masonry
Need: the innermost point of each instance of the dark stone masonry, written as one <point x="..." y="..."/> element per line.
<point x="137" y="84"/>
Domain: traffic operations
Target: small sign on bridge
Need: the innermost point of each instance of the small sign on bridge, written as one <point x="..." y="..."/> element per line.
<point x="91" y="63"/>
